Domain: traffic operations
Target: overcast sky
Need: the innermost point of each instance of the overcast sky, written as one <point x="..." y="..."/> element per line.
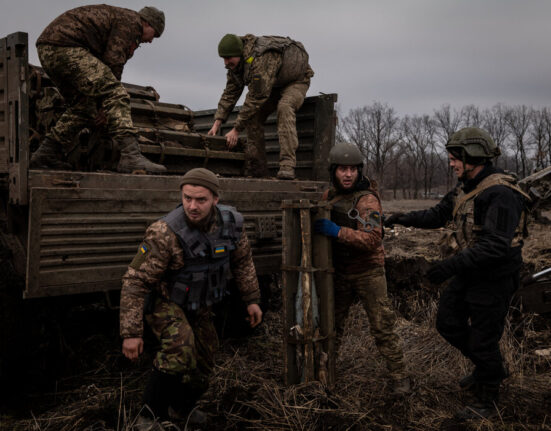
<point x="415" y="55"/>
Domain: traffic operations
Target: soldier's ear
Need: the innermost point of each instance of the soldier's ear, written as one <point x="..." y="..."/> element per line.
<point x="216" y="199"/>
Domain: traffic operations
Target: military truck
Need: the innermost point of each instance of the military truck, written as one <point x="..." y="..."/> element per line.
<point x="74" y="232"/>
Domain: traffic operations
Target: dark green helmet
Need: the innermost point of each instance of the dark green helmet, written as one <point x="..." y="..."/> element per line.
<point x="474" y="142"/>
<point x="230" y="46"/>
<point x="345" y="154"/>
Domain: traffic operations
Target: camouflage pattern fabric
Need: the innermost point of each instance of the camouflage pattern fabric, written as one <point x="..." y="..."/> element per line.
<point x="84" y="81"/>
<point x="160" y="252"/>
<point x="371" y="288"/>
<point x="188" y="341"/>
<point x="109" y="33"/>
<point x="356" y="249"/>
<point x="287" y="101"/>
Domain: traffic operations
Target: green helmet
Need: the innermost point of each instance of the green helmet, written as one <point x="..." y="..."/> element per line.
<point x="155" y="18"/>
<point x="345" y="154"/>
<point x="230" y="46"/>
<point x="475" y="142"/>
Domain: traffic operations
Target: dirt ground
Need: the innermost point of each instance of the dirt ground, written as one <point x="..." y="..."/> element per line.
<point x="96" y="389"/>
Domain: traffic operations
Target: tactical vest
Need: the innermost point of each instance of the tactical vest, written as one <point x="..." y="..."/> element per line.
<point x="294" y="63"/>
<point x="344" y="255"/>
<point x="202" y="281"/>
<point x="463" y="229"/>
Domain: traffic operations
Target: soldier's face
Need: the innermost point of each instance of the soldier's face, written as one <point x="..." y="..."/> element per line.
<point x="148" y="32"/>
<point x="198" y="202"/>
<point x="231" y="62"/>
<point x="346" y="175"/>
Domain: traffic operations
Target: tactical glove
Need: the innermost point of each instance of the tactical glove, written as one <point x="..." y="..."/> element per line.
<point x="326" y="227"/>
<point x="397" y="218"/>
<point x="440" y="272"/>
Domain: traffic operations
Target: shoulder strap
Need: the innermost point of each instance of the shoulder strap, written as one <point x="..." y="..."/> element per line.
<point x="490" y="181"/>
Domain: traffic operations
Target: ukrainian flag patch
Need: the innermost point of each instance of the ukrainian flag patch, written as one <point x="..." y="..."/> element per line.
<point x="220" y="249"/>
<point x="143" y="249"/>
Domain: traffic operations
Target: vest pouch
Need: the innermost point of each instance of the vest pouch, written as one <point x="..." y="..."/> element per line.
<point x="197" y="291"/>
<point x="179" y="293"/>
<point x="448" y="245"/>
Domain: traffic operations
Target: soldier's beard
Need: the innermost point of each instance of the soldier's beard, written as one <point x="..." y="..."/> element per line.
<point x="203" y="224"/>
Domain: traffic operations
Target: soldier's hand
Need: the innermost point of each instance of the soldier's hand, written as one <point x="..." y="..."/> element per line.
<point x="231" y="138"/>
<point x="439" y="272"/>
<point x="132" y="347"/>
<point x="215" y="127"/>
<point x="255" y="315"/>
<point x="396" y="218"/>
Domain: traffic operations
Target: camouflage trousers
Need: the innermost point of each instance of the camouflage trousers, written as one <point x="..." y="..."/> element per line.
<point x="286" y="100"/>
<point x="86" y="84"/>
<point x="188" y="341"/>
<point x="370" y="287"/>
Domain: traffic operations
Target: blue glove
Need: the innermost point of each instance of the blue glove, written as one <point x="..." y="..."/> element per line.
<point x="326" y="227"/>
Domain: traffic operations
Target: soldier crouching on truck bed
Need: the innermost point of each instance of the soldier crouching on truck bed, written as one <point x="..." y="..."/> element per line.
<point x="487" y="214"/>
<point x="276" y="71"/>
<point x="84" y="51"/>
<point x="358" y="256"/>
<point x="182" y="267"/>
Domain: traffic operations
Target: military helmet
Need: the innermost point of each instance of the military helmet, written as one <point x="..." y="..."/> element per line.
<point x="155" y="18"/>
<point x="475" y="142"/>
<point x="345" y="154"/>
<point x="230" y="45"/>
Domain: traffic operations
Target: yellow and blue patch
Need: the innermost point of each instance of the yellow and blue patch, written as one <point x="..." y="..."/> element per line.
<point x="143" y="249"/>
<point x="219" y="249"/>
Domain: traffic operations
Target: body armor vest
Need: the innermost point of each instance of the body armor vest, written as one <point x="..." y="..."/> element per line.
<point x="203" y="279"/>
<point x="463" y="229"/>
<point x="345" y="255"/>
<point x="294" y="63"/>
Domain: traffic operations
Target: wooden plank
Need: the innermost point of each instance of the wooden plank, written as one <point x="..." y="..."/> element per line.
<point x="191" y="152"/>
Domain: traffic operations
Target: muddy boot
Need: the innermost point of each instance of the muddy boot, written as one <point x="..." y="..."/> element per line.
<point x="133" y="160"/>
<point x="286" y="173"/>
<point x="157" y="394"/>
<point x="48" y="156"/>
<point x="401" y="386"/>
<point x="483" y="405"/>
<point x="467" y="383"/>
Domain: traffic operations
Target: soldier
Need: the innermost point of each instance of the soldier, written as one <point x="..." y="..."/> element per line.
<point x="358" y="255"/>
<point x="84" y="51"/>
<point x="482" y="256"/>
<point x="276" y="71"/>
<point x="182" y="268"/>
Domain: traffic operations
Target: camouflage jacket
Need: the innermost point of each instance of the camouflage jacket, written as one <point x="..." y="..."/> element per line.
<point x="356" y="247"/>
<point x="268" y="62"/>
<point x="164" y="253"/>
<point x="110" y="33"/>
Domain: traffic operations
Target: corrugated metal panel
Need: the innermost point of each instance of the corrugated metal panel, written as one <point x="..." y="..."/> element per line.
<point x="82" y="240"/>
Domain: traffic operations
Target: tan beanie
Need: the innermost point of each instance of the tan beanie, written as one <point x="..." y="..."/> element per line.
<point x="202" y="177"/>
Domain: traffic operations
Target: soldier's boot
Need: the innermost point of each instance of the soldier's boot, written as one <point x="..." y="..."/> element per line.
<point x="467" y="383"/>
<point x="157" y="394"/>
<point x="49" y="155"/>
<point x="401" y="386"/>
<point x="133" y="160"/>
<point x="484" y="404"/>
<point x="286" y="173"/>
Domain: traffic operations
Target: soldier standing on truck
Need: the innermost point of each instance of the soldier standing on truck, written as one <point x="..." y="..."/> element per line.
<point x="182" y="268"/>
<point x="276" y="71"/>
<point x="358" y="256"/>
<point x="84" y="51"/>
<point x="487" y="214"/>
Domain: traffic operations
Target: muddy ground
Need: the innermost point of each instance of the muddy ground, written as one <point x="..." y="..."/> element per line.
<point x="78" y="380"/>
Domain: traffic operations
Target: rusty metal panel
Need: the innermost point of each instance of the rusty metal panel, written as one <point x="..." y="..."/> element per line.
<point x="14" y="109"/>
<point x="316" y="122"/>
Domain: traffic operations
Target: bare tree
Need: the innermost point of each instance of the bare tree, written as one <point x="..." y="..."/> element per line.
<point x="539" y="133"/>
<point x="496" y="125"/>
<point x="446" y="123"/>
<point x="518" y="121"/>
<point x="471" y="116"/>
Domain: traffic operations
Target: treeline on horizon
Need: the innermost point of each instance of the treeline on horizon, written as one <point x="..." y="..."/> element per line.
<point x="407" y="156"/>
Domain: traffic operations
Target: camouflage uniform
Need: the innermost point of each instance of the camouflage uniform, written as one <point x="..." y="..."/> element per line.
<point x="353" y="252"/>
<point x="277" y="74"/>
<point x="188" y="339"/>
<point x="84" y="51"/>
